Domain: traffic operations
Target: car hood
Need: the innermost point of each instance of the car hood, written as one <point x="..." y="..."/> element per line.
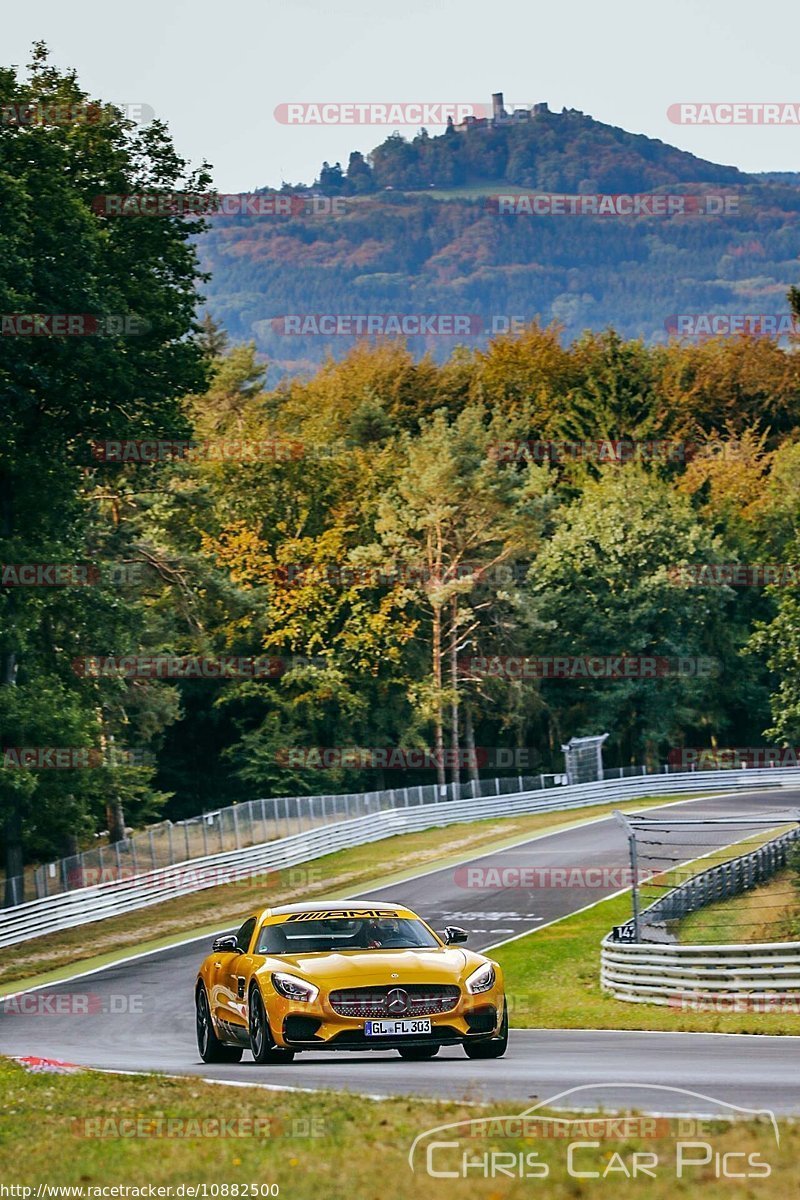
<point x="356" y="969"/>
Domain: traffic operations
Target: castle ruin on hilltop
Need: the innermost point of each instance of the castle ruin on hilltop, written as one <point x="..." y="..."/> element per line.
<point x="500" y="116"/>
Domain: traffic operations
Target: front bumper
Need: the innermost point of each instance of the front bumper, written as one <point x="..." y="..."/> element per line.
<point x="315" y="1027"/>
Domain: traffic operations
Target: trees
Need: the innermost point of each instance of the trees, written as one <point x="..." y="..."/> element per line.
<point x="136" y="277"/>
<point x="455" y="514"/>
<point x="604" y="582"/>
<point x="375" y="546"/>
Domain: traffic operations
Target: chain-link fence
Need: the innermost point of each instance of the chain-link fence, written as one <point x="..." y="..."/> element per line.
<point x="256" y="821"/>
<point x="683" y="867"/>
<point x="246" y="824"/>
<point x="584" y="758"/>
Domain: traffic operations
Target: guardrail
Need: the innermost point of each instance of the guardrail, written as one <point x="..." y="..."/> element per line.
<point x="250" y="823"/>
<point x="762" y="976"/>
<point x="98" y="902"/>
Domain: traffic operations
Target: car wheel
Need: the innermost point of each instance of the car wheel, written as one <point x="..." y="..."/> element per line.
<point x="212" y="1050"/>
<point x="417" y="1053"/>
<point x="262" y="1045"/>
<point x="492" y="1048"/>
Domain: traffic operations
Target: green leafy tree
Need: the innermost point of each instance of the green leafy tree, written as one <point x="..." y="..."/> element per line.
<point x="457" y="514"/>
<point x="606" y="583"/>
<point x="137" y="278"/>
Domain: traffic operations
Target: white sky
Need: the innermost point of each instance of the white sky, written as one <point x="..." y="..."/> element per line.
<point x="216" y="71"/>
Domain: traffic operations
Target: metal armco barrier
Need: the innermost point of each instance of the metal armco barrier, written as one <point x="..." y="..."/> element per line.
<point x="250" y="823"/>
<point x="762" y="977"/>
<point x="115" y="897"/>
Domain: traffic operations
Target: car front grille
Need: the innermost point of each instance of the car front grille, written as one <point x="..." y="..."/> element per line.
<point x="414" y="1000"/>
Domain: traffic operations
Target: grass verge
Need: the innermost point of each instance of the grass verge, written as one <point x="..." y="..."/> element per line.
<point x="553" y="981"/>
<point x="768" y="913"/>
<point x="91" y="1130"/>
<point x="47" y="958"/>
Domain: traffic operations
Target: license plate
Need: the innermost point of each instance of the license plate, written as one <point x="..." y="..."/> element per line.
<point x="397" y="1028"/>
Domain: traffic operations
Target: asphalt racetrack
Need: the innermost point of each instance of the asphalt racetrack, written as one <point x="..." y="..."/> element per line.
<point x="141" y="1012"/>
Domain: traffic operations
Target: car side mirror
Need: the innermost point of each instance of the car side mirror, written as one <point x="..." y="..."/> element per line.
<point x="453" y="934"/>
<point x="226" y="944"/>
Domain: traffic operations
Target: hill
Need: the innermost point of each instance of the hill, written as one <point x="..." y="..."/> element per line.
<point x="417" y="229"/>
<point x="544" y="150"/>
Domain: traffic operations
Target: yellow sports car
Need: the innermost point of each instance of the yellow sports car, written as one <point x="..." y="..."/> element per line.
<point x="346" y="976"/>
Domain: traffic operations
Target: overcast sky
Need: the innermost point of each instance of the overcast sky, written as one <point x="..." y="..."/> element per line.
<point x="216" y="71"/>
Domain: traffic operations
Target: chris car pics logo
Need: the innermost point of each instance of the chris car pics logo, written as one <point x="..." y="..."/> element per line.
<point x="536" y="1144"/>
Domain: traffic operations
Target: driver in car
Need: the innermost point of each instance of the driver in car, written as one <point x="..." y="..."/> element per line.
<point x="385" y="933"/>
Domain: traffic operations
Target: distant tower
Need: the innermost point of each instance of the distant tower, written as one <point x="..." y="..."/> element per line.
<point x="498" y="112"/>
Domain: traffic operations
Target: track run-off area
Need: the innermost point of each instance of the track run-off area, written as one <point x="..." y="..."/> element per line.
<point x="141" y="1009"/>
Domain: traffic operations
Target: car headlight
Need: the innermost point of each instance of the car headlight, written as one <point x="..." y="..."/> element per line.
<point x="293" y="988"/>
<point x="481" y="980"/>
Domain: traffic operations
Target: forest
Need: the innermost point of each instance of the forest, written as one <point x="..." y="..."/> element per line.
<point x="216" y="587"/>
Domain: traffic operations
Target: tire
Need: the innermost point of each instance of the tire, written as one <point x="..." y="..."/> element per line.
<point x="492" y="1048"/>
<point x="418" y="1053"/>
<point x="212" y="1050"/>
<point x="262" y="1045"/>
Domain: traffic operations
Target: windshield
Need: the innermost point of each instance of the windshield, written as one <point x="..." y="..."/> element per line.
<point x="372" y="933"/>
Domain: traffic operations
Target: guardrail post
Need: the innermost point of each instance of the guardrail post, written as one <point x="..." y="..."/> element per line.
<point x="634" y="860"/>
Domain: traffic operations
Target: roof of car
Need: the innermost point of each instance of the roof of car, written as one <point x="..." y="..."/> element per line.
<point x="338" y="906"/>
